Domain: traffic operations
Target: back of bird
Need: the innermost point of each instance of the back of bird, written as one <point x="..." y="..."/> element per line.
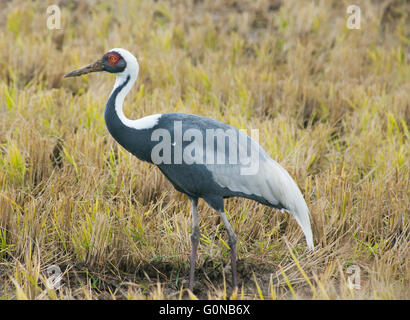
<point x="236" y="162"/>
<point x="261" y="178"/>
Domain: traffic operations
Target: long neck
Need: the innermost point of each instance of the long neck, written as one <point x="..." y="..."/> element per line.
<point x="120" y="127"/>
<point x="122" y="86"/>
<point x="114" y="115"/>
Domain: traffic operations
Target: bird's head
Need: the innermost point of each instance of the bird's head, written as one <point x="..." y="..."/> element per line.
<point x="118" y="61"/>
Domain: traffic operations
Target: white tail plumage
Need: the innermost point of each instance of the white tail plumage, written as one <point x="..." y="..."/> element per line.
<point x="269" y="181"/>
<point x="273" y="183"/>
<point x="286" y="191"/>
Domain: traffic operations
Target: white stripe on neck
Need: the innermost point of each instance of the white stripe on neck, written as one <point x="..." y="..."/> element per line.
<point x="139" y="124"/>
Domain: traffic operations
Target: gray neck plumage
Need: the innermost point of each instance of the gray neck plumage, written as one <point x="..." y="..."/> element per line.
<point x="112" y="117"/>
<point x="137" y="141"/>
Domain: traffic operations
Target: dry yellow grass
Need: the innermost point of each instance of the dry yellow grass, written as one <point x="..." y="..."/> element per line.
<point x="332" y="106"/>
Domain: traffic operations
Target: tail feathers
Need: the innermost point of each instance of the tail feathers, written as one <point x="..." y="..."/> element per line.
<point x="304" y="222"/>
<point x="292" y="199"/>
<point x="300" y="212"/>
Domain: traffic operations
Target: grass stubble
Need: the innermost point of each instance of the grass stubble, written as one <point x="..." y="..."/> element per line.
<point x="332" y="105"/>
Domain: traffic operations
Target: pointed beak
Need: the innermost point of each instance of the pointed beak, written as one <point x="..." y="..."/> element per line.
<point x="93" y="67"/>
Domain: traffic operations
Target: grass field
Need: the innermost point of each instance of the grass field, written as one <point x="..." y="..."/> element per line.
<point x="332" y="105"/>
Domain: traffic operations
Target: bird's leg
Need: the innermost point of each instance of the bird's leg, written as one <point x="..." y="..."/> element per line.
<point x="195" y="236"/>
<point x="232" y="240"/>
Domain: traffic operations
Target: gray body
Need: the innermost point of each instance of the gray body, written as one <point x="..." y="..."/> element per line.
<point x="195" y="180"/>
<point x="270" y="184"/>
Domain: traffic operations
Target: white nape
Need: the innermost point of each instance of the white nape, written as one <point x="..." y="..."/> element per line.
<point x="131" y="70"/>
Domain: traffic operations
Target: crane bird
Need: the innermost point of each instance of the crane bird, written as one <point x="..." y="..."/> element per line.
<point x="186" y="156"/>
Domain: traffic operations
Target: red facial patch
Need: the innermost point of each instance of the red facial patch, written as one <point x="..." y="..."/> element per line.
<point x="113" y="58"/>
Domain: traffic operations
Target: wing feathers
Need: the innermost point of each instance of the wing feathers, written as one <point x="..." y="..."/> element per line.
<point x="272" y="183"/>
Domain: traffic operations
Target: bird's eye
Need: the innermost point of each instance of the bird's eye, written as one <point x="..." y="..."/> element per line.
<point x="113" y="59"/>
